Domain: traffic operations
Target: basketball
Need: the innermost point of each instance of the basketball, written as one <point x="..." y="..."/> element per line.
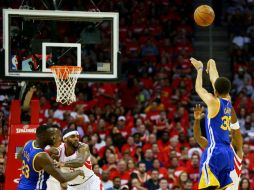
<point x="204" y="15"/>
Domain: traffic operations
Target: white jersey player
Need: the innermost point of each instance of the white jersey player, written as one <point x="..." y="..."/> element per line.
<point x="235" y="174"/>
<point x="74" y="155"/>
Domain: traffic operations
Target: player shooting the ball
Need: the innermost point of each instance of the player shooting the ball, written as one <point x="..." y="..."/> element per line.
<point x="217" y="160"/>
<point x="236" y="142"/>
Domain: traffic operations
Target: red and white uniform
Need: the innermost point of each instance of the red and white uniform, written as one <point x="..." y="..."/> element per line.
<point x="235" y="174"/>
<point x="89" y="182"/>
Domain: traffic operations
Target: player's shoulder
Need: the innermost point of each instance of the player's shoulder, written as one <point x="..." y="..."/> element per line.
<point x="28" y="142"/>
<point x="211" y="100"/>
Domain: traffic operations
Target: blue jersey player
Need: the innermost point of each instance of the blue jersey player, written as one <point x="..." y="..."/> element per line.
<point x="37" y="164"/>
<point x="217" y="159"/>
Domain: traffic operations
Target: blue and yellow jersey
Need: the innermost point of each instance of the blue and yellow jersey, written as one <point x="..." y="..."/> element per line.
<point x="218" y="126"/>
<point x="31" y="178"/>
<point x="217" y="160"/>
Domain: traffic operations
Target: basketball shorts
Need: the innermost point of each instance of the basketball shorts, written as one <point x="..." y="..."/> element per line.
<point x="215" y="166"/>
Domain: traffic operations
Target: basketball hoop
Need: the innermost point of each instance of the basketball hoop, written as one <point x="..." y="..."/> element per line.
<point x="66" y="79"/>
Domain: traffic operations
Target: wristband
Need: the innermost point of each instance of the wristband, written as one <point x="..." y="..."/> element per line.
<point x="235" y="125"/>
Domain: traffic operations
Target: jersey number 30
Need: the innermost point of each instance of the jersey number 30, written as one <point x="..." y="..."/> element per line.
<point x="25" y="169"/>
<point x="226" y="122"/>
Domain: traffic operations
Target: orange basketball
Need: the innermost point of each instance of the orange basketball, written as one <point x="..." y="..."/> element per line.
<point x="204" y="15"/>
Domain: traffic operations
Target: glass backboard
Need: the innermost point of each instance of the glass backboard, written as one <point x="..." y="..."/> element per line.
<point x="35" y="40"/>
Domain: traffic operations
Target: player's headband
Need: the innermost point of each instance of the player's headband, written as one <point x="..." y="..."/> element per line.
<point x="70" y="133"/>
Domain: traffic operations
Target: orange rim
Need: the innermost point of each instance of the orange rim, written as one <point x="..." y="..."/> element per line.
<point x="64" y="71"/>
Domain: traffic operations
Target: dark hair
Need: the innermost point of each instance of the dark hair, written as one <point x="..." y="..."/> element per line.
<point x="155" y="169"/>
<point x="42" y="129"/>
<point x="241" y="182"/>
<point x="222" y="85"/>
<point x="72" y="123"/>
<point x="163" y="178"/>
<point x="68" y="130"/>
<point x="116" y="177"/>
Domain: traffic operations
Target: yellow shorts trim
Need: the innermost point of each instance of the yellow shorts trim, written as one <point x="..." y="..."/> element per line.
<point x="210" y="181"/>
<point x="226" y="186"/>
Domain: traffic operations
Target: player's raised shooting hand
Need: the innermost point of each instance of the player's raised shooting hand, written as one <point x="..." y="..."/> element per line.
<point x="198" y="112"/>
<point x="209" y="63"/>
<point x="32" y="89"/>
<point x="197" y="64"/>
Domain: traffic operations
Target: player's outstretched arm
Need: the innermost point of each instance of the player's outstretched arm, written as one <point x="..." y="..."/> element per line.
<point x="237" y="140"/>
<point x="43" y="161"/>
<point x="28" y="97"/>
<point x="198" y="115"/>
<point x="83" y="154"/>
<point x="212" y="71"/>
<point x="208" y="98"/>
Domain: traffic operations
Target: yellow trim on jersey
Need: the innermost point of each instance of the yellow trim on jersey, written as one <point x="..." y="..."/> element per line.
<point x="34" y="159"/>
<point x="212" y="178"/>
<point x="231" y="184"/>
<point x="34" y="146"/>
<point x="217" y="111"/>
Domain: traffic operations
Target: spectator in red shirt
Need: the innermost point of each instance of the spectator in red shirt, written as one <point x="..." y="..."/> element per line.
<point x="192" y="169"/>
<point x="162" y="123"/>
<point x="130" y="145"/>
<point x="182" y="179"/>
<point x="151" y="140"/>
<point x="129" y="92"/>
<point x="161" y="169"/>
<point x="111" y="165"/>
<point x="123" y="172"/>
<point x="103" y="158"/>
<point x="153" y="110"/>
<point x="171" y="177"/>
<point x="130" y="165"/>
<point x="121" y="125"/>
<point x="176" y="164"/>
<point x="164" y="147"/>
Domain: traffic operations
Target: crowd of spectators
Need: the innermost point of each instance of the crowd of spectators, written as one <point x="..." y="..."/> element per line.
<point x="138" y="129"/>
<point x="240" y="19"/>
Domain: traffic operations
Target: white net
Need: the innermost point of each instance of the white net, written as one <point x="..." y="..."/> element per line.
<point x="66" y="79"/>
